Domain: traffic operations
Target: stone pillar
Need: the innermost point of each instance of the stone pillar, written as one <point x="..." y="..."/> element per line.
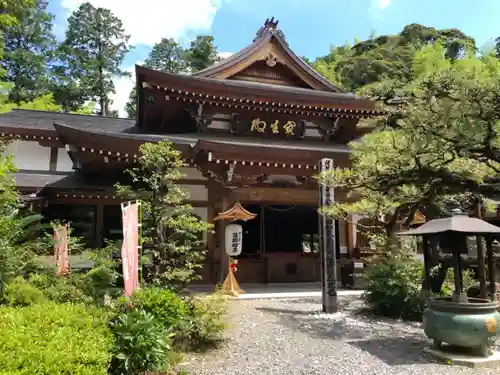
<point x="327" y="244"/>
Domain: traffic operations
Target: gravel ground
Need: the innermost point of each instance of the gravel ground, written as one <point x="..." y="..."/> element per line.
<point x="292" y="337"/>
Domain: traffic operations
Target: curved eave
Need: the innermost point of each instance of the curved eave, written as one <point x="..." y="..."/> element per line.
<point x="27" y="133"/>
<point x="258" y="43"/>
<point x="231" y="90"/>
<point x="232" y="151"/>
<point x="115" y="144"/>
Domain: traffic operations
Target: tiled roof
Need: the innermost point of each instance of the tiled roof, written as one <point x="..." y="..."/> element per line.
<point x="28" y="119"/>
<point x="72" y="180"/>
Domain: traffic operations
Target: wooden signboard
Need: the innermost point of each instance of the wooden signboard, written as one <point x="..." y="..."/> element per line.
<point x="280" y="127"/>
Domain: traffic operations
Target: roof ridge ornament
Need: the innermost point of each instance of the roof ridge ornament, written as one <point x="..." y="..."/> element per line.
<point x="270" y="24"/>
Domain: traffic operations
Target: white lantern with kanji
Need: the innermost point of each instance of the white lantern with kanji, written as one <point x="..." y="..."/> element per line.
<point x="234" y="239"/>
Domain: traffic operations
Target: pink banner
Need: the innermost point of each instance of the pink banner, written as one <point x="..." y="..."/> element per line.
<point x="130" y="254"/>
<point x="61" y="249"/>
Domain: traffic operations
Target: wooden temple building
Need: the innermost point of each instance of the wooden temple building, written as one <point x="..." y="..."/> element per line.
<point x="252" y="129"/>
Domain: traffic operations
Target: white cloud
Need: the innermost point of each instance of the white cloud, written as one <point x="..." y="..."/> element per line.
<point x="225" y="55"/>
<point x="148" y="22"/>
<point x="380" y="4"/>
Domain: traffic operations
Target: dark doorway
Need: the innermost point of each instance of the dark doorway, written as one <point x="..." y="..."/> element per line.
<point x="286" y="227"/>
<point x="252" y="232"/>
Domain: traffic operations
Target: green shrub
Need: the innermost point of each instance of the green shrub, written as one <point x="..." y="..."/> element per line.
<point x="61" y="289"/>
<point x="394" y="286"/>
<point x="19" y="292"/>
<point x="165" y="305"/>
<point x="53" y="339"/>
<point x="204" y="323"/>
<point x="141" y="343"/>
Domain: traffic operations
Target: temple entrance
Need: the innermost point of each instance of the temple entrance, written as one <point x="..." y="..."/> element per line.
<point x="280" y="245"/>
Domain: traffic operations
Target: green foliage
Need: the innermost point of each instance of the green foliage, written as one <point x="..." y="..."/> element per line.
<point x="195" y="323"/>
<point x="20" y="243"/>
<point x="19" y="292"/>
<point x="446" y="136"/>
<point x="29" y="44"/>
<point x="92" y="52"/>
<point x="204" y="322"/>
<point x="61" y="289"/>
<point x="388" y="57"/>
<point x="394" y="286"/>
<point x="201" y="54"/>
<point x="89" y="287"/>
<point x="9" y="18"/>
<point x="141" y="343"/>
<point x="166" y="306"/>
<point x="52" y="338"/>
<point x="171" y="231"/>
<point x="101" y="279"/>
<point x="439" y="146"/>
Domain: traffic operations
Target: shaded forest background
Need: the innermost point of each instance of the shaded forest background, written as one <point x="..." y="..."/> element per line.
<point x="76" y="74"/>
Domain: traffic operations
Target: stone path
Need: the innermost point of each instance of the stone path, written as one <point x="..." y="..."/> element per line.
<point x="292" y="337"/>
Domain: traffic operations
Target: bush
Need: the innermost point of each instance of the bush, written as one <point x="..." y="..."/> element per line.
<point x="61" y="289"/>
<point x="53" y="339"/>
<point x="394" y="286"/>
<point x="194" y="322"/>
<point x="204" y="322"/>
<point x="141" y="344"/>
<point x="165" y="305"/>
<point x="19" y="292"/>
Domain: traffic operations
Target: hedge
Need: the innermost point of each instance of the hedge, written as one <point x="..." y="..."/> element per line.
<point x="50" y="339"/>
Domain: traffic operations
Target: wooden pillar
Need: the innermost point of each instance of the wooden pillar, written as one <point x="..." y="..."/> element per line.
<point x="481" y="272"/>
<point x="350" y="232"/>
<point x="491" y="269"/>
<point x="222" y="241"/>
<point x="98" y="225"/>
<point x="328" y="241"/>
<point x="458" y="295"/>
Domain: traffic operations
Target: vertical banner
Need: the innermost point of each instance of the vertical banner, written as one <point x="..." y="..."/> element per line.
<point x="61" y="249"/>
<point x="130" y="255"/>
<point x="327" y="243"/>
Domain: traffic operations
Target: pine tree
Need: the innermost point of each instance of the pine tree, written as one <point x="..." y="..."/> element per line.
<point x="92" y="52"/>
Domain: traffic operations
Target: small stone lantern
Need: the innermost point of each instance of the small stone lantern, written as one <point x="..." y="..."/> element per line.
<point x="460" y="321"/>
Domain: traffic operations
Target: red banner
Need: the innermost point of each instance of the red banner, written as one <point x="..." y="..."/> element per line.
<point x="61" y="249"/>
<point x="130" y="254"/>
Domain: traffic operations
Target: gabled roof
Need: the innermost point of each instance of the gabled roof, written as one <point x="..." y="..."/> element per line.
<point x="269" y="39"/>
<point x="203" y="88"/>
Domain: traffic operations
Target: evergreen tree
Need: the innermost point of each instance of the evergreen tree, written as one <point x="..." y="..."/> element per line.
<point x="92" y="52"/>
<point x="172" y="234"/>
<point x="9" y="9"/>
<point x="29" y="44"/>
<point x="201" y="54"/>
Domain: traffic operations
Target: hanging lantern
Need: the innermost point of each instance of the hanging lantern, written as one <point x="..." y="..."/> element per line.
<point x="234" y="239"/>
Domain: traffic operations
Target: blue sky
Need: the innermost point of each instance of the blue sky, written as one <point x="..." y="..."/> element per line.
<point x="310" y="26"/>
